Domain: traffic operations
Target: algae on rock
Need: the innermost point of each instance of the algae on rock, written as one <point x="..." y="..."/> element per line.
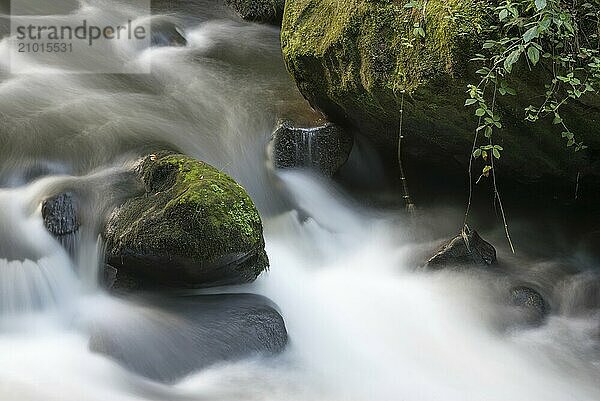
<point x="193" y="226"/>
<point x="353" y="59"/>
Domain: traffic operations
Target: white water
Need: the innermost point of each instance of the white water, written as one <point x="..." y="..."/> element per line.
<point x="364" y="324"/>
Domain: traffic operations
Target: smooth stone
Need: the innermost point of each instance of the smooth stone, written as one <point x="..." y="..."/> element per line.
<point x="166" y="33"/>
<point x="166" y="339"/>
<point x="530" y="302"/>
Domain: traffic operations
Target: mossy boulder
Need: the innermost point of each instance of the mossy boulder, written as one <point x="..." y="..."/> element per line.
<point x="353" y="60"/>
<point x="267" y="11"/>
<point x="192" y="226"/>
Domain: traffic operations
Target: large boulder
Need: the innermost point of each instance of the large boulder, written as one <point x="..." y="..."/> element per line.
<point x="267" y="11"/>
<point x="166" y="339"/>
<point x="354" y="61"/>
<point x="192" y="226"/>
<point x="324" y="148"/>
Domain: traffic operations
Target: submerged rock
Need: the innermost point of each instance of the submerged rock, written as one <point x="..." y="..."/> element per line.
<point x="166" y="33"/>
<point x="325" y="148"/>
<point x="467" y="248"/>
<point x="61" y="218"/>
<point x="267" y="11"/>
<point x="192" y="227"/>
<point x="169" y="338"/>
<point x="530" y="303"/>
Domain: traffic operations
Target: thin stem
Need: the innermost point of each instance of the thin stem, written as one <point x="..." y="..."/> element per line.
<point x="495" y="184"/>
<point x="410" y="207"/>
<point x="468" y="210"/>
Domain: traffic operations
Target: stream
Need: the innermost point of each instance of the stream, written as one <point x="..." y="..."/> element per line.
<point x="365" y="323"/>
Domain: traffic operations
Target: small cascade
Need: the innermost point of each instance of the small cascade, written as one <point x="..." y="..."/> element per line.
<point x="307" y="144"/>
<point x="34" y="285"/>
<point x="35" y="271"/>
<point x="323" y="148"/>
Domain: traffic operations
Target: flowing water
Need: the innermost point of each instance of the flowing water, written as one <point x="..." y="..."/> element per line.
<point x="364" y="323"/>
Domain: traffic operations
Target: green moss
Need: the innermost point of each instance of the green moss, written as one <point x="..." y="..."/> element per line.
<point x="361" y="44"/>
<point x="351" y="61"/>
<point x="190" y="211"/>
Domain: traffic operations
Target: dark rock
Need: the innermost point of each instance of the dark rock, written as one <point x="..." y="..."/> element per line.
<point x="325" y="148"/>
<point x="267" y="11"/>
<point x="166" y="33"/>
<point x="169" y="338"/>
<point x="192" y="227"/>
<point x="60" y="214"/>
<point x="530" y="303"/>
<point x="122" y="281"/>
<point x="467" y="248"/>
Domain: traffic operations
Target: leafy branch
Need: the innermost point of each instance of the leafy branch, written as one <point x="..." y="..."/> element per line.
<point x="558" y="36"/>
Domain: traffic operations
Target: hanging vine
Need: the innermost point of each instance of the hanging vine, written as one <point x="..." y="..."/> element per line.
<point x="410" y="206"/>
<point x="558" y="36"/>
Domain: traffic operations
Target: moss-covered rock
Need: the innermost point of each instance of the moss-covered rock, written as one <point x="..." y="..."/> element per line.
<point x="267" y="11"/>
<point x="353" y="59"/>
<point x="193" y="226"/>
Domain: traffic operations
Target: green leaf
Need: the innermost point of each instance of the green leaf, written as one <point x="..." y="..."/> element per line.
<point x="511" y="59"/>
<point x="488" y="132"/>
<point x="496" y="153"/>
<point x="557" y="119"/>
<point x="477" y="153"/>
<point x="503" y="14"/>
<point x="540" y="4"/>
<point x="469" y="102"/>
<point x="418" y="31"/>
<point x="479" y="112"/>
<point x="533" y="54"/>
<point x="531" y="34"/>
